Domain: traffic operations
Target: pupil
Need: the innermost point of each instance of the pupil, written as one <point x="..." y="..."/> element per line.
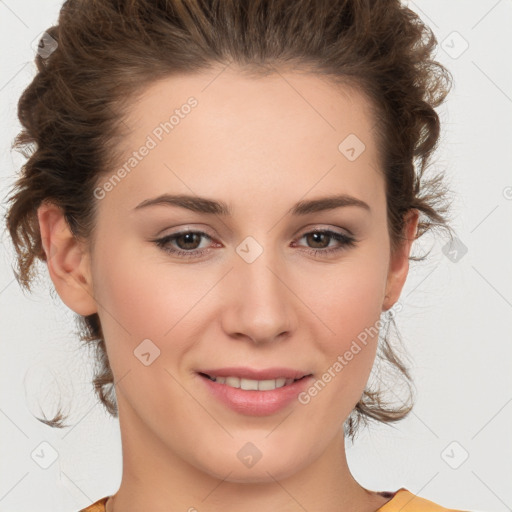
<point x="188" y="239"/>
<point x="317" y="236"/>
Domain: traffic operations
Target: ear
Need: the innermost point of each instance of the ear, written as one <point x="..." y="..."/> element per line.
<point x="67" y="259"/>
<point x="399" y="261"/>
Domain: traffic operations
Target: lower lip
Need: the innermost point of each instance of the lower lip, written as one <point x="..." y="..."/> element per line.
<point x="256" y="403"/>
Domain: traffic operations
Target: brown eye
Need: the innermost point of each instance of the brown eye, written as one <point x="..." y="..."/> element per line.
<point x="186" y="243"/>
<point x="319" y="241"/>
<point x="189" y="240"/>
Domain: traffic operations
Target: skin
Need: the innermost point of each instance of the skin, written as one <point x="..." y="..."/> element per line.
<point x="260" y="146"/>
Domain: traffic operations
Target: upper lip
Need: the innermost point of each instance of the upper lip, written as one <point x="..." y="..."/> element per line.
<point x="255" y="374"/>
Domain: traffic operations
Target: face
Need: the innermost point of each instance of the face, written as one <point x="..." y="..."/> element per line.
<point x="277" y="281"/>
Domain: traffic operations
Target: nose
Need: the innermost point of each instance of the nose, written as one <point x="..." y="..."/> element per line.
<point x="259" y="305"/>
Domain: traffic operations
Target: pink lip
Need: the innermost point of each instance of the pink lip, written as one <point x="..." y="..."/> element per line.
<point x="256" y="403"/>
<point x="250" y="373"/>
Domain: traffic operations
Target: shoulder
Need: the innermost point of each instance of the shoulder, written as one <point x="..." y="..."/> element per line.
<point x="97" y="506"/>
<point x="406" y="501"/>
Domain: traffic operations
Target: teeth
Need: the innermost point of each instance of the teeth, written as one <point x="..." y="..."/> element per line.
<point x="250" y="384"/>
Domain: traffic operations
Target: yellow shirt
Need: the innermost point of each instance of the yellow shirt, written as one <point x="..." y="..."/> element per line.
<point x="402" y="501"/>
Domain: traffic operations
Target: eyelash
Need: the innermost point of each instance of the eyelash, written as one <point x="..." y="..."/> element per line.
<point x="345" y="240"/>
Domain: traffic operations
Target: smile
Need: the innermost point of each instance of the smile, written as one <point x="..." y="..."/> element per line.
<point x="252" y="384"/>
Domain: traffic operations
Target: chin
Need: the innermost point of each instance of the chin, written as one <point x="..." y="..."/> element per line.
<point x="275" y="467"/>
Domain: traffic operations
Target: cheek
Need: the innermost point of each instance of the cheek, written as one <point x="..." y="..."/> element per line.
<point x="348" y="304"/>
<point x="137" y="300"/>
<point x="140" y="301"/>
<point x="348" y="301"/>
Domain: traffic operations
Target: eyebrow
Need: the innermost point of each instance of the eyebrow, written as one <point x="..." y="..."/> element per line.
<point x="209" y="206"/>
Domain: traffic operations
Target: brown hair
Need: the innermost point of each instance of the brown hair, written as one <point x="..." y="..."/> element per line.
<point x="102" y="53"/>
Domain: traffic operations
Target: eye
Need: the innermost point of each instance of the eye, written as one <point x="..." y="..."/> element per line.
<point x="321" y="238"/>
<point x="186" y="242"/>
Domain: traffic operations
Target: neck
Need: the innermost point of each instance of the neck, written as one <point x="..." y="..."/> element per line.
<point x="157" y="478"/>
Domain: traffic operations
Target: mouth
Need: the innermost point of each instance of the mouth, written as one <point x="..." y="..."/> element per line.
<point x="255" y="392"/>
<point x="252" y="384"/>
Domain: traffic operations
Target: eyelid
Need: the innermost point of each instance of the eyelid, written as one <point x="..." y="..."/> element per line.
<point x="326" y="227"/>
<point x="189" y="228"/>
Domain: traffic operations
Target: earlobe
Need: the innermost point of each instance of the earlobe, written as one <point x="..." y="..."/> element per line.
<point x="67" y="259"/>
<point x="399" y="261"/>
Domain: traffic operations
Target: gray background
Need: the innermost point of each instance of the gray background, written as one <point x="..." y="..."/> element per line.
<point x="455" y="319"/>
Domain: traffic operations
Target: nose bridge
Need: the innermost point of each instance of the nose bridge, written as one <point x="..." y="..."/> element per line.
<point x="260" y="301"/>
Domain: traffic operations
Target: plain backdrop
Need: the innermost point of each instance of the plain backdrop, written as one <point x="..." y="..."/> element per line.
<point x="456" y="446"/>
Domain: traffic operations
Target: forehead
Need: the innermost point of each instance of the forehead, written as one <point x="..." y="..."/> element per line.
<point x="231" y="104"/>
<point x="219" y="131"/>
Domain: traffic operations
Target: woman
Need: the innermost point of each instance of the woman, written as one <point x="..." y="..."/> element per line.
<point x="227" y="194"/>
